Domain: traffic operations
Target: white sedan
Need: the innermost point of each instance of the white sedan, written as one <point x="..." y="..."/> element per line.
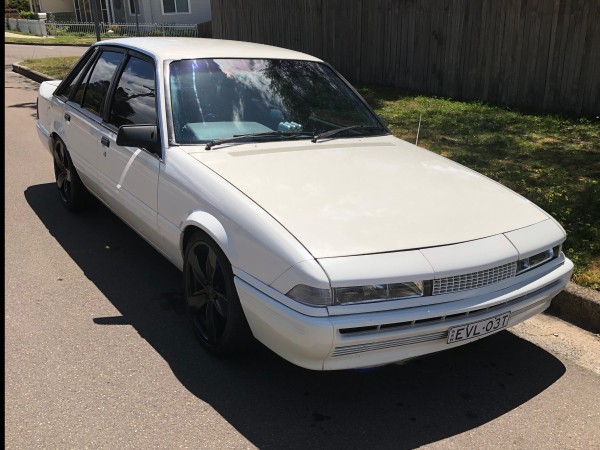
<point x="293" y="213"/>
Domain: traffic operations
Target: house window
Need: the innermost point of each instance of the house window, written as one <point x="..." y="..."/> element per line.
<point x="84" y="12"/>
<point x="106" y="12"/>
<point x="132" y="9"/>
<point x="175" y="6"/>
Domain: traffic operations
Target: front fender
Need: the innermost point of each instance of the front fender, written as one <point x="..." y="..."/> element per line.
<point x="210" y="225"/>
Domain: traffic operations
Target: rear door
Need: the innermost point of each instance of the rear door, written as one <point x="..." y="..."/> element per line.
<point x="82" y="121"/>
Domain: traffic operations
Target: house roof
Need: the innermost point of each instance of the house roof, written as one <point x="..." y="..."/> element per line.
<point x="174" y="48"/>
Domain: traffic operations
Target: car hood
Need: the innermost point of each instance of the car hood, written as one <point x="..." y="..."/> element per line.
<point x="371" y="195"/>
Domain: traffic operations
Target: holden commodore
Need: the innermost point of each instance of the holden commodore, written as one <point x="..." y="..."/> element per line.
<point x="293" y="213"/>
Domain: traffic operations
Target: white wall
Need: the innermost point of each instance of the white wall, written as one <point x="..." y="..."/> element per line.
<point x="199" y="12"/>
<point x="57" y="6"/>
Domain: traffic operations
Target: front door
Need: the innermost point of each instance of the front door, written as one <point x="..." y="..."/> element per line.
<point x="128" y="176"/>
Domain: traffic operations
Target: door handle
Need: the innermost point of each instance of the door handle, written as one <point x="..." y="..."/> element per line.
<point x="67" y="117"/>
<point x="104" y="140"/>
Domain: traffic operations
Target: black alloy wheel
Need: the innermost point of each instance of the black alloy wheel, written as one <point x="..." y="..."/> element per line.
<point x="73" y="194"/>
<point x="211" y="300"/>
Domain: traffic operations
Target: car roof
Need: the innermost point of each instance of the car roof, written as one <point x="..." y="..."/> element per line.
<point x="175" y="48"/>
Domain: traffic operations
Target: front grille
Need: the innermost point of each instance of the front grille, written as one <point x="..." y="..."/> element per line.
<point x="474" y="280"/>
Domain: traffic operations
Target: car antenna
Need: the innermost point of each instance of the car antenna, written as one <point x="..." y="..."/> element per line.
<point x="418" y="129"/>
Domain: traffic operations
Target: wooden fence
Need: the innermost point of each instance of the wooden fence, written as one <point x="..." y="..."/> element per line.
<point x="534" y="54"/>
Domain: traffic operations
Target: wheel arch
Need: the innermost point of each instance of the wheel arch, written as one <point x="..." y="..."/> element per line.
<point x="208" y="224"/>
<point x="57" y="131"/>
<point x="53" y="136"/>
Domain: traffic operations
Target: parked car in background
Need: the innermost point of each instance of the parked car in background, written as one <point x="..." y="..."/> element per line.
<point x="293" y="213"/>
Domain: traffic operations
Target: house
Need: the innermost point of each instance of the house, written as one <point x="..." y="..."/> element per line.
<point x="62" y="9"/>
<point x="124" y="11"/>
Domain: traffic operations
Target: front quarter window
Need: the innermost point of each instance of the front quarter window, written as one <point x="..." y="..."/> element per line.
<point x="221" y="98"/>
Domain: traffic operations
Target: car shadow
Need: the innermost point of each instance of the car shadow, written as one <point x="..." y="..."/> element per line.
<point x="273" y="403"/>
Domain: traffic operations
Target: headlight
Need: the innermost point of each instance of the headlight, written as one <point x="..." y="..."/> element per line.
<point x="378" y="292"/>
<point x="525" y="264"/>
<point x="355" y="294"/>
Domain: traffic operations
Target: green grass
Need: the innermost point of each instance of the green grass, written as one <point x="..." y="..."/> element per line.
<point x="56" y="68"/>
<point x="80" y="39"/>
<point x="551" y="160"/>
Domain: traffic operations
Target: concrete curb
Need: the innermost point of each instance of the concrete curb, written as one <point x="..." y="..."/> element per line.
<point x="576" y="304"/>
<point x="579" y="306"/>
<point x="29" y="73"/>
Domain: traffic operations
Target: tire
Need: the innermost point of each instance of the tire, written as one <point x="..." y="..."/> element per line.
<point x="73" y="194"/>
<point x="211" y="301"/>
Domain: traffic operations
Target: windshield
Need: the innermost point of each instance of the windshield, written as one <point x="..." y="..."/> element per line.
<point x="215" y="99"/>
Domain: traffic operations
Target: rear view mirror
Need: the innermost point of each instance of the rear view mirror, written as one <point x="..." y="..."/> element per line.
<point x="145" y="136"/>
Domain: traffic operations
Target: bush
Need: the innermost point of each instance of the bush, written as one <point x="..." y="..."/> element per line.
<point x="54" y="30"/>
<point x="28" y="15"/>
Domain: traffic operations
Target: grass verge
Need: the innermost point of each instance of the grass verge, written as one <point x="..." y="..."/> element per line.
<point x="551" y="160"/>
<point x="59" y="38"/>
<point x="24" y="38"/>
<point x="56" y="68"/>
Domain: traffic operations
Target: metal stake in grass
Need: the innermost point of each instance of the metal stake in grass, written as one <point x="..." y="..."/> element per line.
<point x="418" y="129"/>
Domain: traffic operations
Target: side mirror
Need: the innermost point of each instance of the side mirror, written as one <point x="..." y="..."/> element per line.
<point x="145" y="136"/>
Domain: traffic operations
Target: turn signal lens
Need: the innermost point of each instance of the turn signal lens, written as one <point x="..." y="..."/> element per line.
<point x="310" y="295"/>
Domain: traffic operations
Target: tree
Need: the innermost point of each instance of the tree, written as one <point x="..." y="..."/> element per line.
<point x="19" y="5"/>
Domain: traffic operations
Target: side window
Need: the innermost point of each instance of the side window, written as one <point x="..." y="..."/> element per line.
<point x="69" y="88"/>
<point x="134" y="101"/>
<point x="81" y="67"/>
<point x="78" y="97"/>
<point x="99" y="81"/>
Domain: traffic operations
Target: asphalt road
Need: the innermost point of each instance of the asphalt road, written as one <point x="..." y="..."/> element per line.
<point x="98" y="353"/>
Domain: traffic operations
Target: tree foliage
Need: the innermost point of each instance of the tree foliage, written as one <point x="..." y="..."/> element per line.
<point x="19" y="5"/>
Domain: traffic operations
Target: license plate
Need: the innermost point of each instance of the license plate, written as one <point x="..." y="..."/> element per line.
<point x="477" y="329"/>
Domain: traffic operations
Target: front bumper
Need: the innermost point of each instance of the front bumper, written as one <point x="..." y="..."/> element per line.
<point x="382" y="337"/>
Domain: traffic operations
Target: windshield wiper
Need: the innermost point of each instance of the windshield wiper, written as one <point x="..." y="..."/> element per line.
<point x="341" y="130"/>
<point x="266" y="134"/>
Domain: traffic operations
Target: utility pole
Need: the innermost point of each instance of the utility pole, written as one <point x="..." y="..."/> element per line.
<point x="96" y="19"/>
<point x="137" y="17"/>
